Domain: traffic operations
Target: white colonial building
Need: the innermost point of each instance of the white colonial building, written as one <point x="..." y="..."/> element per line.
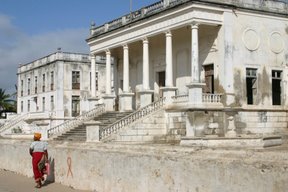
<point x="56" y="88"/>
<point x="186" y="71"/>
<point x="212" y="61"/>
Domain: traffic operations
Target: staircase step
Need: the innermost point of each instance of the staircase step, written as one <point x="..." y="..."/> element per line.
<point x="79" y="133"/>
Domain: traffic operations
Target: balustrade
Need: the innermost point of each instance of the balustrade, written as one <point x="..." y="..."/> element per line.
<point x="206" y="98"/>
<point x="115" y="127"/>
<point x="76" y="121"/>
<point x="13" y="122"/>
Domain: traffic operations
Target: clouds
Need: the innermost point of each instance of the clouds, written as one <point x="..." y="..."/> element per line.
<point x="16" y="47"/>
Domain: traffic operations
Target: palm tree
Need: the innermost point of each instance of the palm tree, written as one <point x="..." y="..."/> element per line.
<point x="6" y="104"/>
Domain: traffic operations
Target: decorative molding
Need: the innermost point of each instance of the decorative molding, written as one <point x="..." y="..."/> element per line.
<point x="251" y="39"/>
<point x="276" y="42"/>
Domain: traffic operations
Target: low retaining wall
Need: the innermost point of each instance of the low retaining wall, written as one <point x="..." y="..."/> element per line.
<point x="113" y="168"/>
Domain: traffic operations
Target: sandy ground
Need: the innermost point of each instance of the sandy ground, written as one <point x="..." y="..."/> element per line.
<point x="12" y="182"/>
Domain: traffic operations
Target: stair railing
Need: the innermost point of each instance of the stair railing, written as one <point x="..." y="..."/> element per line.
<point x="13" y="122"/>
<point x="140" y="113"/>
<point x="67" y="125"/>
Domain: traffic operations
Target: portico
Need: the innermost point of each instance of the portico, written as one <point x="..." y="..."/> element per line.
<point x="143" y="51"/>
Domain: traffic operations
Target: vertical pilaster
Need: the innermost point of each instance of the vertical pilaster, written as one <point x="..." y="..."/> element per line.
<point x="195" y="87"/>
<point x="146" y="64"/>
<point x="169" y="90"/>
<point x="195" y="54"/>
<point x="108" y="98"/>
<point x="125" y="69"/>
<point x="125" y="98"/>
<point x="108" y="72"/>
<point x="93" y="77"/>
<point x="146" y="93"/>
<point x="169" y="67"/>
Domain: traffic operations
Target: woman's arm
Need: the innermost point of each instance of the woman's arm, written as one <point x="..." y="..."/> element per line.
<point x="31" y="151"/>
<point x="46" y="154"/>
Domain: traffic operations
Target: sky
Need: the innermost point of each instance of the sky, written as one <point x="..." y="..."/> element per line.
<point x="31" y="29"/>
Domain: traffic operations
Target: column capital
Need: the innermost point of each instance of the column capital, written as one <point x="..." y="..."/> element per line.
<point x="145" y="40"/>
<point x="125" y="46"/>
<point x="108" y="52"/>
<point x="194" y="25"/>
<point x="168" y="33"/>
<point x="92" y="56"/>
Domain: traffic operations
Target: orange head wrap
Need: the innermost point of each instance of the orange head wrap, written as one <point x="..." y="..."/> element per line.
<point x="37" y="136"/>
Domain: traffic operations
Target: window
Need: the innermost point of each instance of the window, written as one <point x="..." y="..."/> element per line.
<point x="209" y="79"/>
<point x="75" y="106"/>
<point x="28" y="105"/>
<point x="52" y="81"/>
<point x="43" y="103"/>
<point x="21" y="106"/>
<point x="96" y="84"/>
<point x="22" y="84"/>
<point x="35" y="84"/>
<point x="43" y="83"/>
<point x="75" y="79"/>
<point x="36" y="103"/>
<point x="161" y="81"/>
<point x="276" y="87"/>
<point x="28" y="86"/>
<point x="251" y="85"/>
<point x="52" y="103"/>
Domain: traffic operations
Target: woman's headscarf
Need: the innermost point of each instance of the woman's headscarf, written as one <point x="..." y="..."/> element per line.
<point x="37" y="136"/>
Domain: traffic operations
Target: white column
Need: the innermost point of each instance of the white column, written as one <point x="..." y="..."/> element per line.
<point x="93" y="77"/>
<point x="108" y="72"/>
<point x="195" y="55"/>
<point x="145" y="64"/>
<point x="125" y="69"/>
<point x="169" y="66"/>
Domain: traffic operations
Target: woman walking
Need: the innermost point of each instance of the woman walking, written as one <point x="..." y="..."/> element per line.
<point x="38" y="151"/>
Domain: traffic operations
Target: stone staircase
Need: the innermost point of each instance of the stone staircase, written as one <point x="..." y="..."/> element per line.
<point x="79" y="133"/>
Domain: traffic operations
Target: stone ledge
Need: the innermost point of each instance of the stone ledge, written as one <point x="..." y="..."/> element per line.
<point x="256" y="142"/>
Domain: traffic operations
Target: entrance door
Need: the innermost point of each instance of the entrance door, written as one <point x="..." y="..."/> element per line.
<point x="209" y="79"/>
<point x="161" y="82"/>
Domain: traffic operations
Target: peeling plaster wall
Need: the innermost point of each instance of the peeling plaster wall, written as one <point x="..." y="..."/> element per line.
<point x="115" y="168"/>
<point x="258" y="42"/>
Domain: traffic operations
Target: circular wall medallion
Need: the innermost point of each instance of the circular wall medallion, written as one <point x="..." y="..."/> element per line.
<point x="251" y="39"/>
<point x="276" y="42"/>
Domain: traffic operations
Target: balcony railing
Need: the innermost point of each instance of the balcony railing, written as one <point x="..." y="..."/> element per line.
<point x="206" y="98"/>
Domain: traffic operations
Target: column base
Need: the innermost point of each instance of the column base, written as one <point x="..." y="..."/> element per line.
<point x="145" y="97"/>
<point x="168" y="93"/>
<point x="195" y="92"/>
<point x="125" y="101"/>
<point x="109" y="102"/>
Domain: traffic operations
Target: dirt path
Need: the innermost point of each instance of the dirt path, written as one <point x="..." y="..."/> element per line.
<point x="12" y="182"/>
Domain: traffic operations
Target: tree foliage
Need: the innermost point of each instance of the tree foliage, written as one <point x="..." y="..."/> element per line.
<point x="6" y="103"/>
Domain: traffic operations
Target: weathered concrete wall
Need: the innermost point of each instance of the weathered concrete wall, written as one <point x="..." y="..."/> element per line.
<point x="116" y="168"/>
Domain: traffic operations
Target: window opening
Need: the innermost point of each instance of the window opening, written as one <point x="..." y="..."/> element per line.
<point x="209" y="79"/>
<point x="276" y="87"/>
<point x="75" y="106"/>
<point x="75" y="79"/>
<point x="251" y="85"/>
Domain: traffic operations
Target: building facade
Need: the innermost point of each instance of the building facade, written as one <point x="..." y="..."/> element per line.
<point x="208" y="56"/>
<point x="57" y="87"/>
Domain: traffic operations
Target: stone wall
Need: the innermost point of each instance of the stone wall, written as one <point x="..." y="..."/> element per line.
<point x="107" y="168"/>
